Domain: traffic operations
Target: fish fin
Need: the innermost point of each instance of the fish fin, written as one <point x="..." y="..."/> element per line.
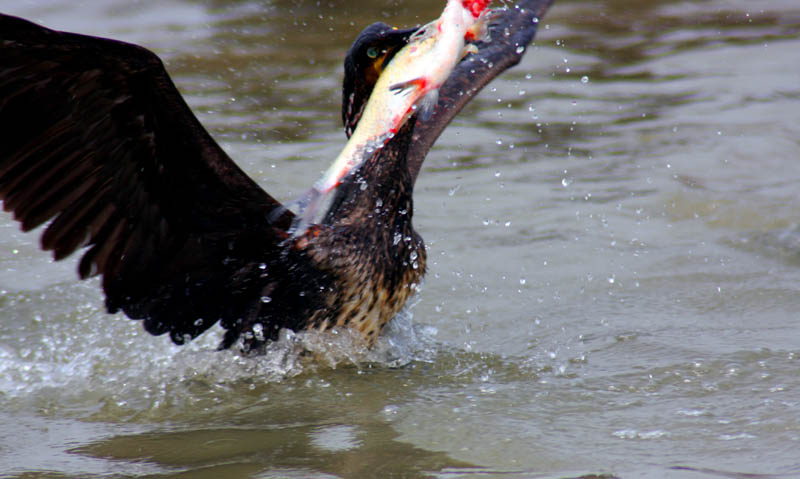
<point x="469" y="48"/>
<point x="406" y="86"/>
<point x="423" y="33"/>
<point x="275" y="215"/>
<point x="479" y="31"/>
<point x="427" y="104"/>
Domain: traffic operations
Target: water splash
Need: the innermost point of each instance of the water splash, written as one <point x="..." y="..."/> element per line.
<point x="85" y="362"/>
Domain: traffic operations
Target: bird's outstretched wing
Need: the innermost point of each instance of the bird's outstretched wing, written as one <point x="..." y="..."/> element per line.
<point x="95" y="136"/>
<point x="510" y="33"/>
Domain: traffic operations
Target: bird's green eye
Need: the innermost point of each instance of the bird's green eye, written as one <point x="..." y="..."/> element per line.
<point x="372" y="52"/>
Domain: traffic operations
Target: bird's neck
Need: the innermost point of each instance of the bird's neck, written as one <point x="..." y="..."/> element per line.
<point x="379" y="193"/>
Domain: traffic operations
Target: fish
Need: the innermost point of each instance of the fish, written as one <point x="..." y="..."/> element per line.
<point x="410" y="83"/>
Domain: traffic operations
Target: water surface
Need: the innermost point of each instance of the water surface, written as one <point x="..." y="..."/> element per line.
<point x="614" y="263"/>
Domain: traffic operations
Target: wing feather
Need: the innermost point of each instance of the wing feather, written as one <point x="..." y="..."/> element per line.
<point x="96" y="138"/>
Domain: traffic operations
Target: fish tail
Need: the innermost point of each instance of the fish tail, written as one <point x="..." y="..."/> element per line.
<point x="427" y="104"/>
<point x="307" y="208"/>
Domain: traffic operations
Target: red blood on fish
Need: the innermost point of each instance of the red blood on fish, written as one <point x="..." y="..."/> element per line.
<point x="475" y="7"/>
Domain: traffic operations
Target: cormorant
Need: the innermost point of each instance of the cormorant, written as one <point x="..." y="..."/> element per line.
<point x="96" y="138"/>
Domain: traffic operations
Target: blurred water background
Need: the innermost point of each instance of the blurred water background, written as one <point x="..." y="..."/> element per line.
<point x="614" y="263"/>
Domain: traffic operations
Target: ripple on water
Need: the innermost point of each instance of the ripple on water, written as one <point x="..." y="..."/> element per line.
<point x="672" y="172"/>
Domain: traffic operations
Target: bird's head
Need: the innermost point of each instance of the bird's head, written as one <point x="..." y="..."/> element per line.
<point x="367" y="57"/>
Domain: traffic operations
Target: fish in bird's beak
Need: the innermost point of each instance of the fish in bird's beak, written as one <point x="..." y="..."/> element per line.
<point x="369" y="55"/>
<point x="408" y="83"/>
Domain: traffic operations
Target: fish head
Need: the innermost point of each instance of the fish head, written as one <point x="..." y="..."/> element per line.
<point x="475" y="7"/>
<point x="367" y="57"/>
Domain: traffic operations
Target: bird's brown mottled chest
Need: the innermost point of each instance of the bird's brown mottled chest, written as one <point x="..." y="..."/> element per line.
<point x="377" y="271"/>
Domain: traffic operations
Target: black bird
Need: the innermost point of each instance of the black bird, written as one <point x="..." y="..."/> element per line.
<point x="96" y="137"/>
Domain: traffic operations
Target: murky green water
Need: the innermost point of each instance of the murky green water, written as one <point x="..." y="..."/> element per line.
<point x="614" y="282"/>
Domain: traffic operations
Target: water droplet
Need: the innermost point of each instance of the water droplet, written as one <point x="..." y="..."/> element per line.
<point x="266" y="299"/>
<point x="413" y="255"/>
<point x="522" y="281"/>
<point x="584" y="79"/>
<point x="565" y="182"/>
<point x="611" y="279"/>
<point x="390" y="410"/>
<point x="198" y="322"/>
<point x="363" y="186"/>
<point x="258" y="331"/>
<point x="397" y="238"/>
<point x="520" y="49"/>
<point x="262" y="266"/>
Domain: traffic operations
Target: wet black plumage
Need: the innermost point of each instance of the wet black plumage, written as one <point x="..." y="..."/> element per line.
<point x="96" y="137"/>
